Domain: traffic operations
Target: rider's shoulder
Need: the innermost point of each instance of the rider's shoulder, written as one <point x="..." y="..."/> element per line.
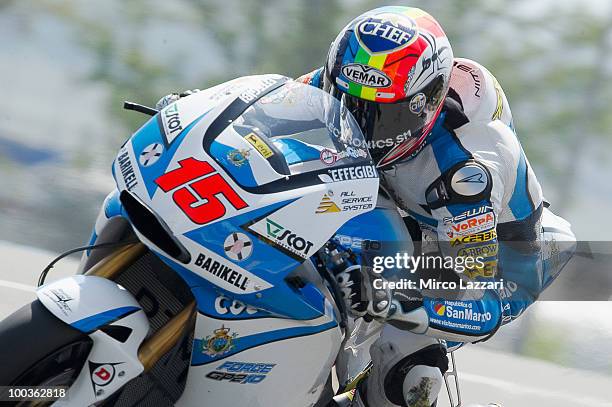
<point x="313" y="78"/>
<point x="480" y="94"/>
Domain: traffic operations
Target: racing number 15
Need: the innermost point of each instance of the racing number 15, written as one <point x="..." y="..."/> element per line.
<point x="198" y="200"/>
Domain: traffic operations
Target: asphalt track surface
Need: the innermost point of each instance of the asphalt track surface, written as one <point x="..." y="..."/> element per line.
<point x="484" y="375"/>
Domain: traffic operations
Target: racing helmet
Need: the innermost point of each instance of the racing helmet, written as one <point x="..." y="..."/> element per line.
<point x="391" y="68"/>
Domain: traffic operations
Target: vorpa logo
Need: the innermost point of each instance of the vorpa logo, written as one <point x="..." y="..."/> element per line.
<point x="287" y="239"/>
<point x="366" y="75"/>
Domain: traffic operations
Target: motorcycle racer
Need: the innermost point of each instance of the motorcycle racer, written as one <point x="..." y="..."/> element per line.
<point x="441" y="133"/>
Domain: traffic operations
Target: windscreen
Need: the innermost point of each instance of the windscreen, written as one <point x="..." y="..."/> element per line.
<point x="305" y="127"/>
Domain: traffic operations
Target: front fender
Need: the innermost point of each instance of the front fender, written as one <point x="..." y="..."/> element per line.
<point x="113" y="319"/>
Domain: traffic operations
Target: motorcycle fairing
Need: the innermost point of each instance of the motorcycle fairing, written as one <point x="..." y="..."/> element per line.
<point x="298" y="354"/>
<point x="254" y="332"/>
<point x="291" y="327"/>
<point x="90" y="304"/>
<point x="277" y="221"/>
<point x="299" y="359"/>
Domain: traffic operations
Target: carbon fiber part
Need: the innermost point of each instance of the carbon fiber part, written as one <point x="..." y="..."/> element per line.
<point x="162" y="294"/>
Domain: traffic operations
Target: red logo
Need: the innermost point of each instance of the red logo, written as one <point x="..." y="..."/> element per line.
<point x="327" y="157"/>
<point x="102" y="373"/>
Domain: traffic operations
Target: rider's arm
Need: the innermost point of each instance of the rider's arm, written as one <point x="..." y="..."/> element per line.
<point x="486" y="194"/>
<point x="466" y="201"/>
<point x="314" y="78"/>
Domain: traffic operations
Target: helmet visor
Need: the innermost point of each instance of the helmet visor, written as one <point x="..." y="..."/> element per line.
<point x="396" y="130"/>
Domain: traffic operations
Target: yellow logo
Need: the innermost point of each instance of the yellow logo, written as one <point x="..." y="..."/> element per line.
<point x="499" y="108"/>
<point x="487" y="271"/>
<point x="475" y="238"/>
<point x="261" y="147"/>
<point x="327" y="205"/>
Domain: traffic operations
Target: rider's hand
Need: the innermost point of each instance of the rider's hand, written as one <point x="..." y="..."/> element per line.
<point x="362" y="299"/>
<point x="173" y="97"/>
<point x="408" y="315"/>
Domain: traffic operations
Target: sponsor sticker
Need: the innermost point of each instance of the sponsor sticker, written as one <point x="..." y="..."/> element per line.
<point x="357" y="243"/>
<point x="241" y="372"/>
<point x="222" y="271"/>
<point x="473" y="73"/>
<point x="509" y="289"/>
<point x="439" y="308"/>
<point x="409" y="80"/>
<point x="61" y="299"/>
<point x="461" y="311"/>
<point x="348" y="201"/>
<point x="487" y="270"/>
<point x="224" y="306"/>
<point x="468" y="214"/>
<point x="476" y="238"/>
<point x="480" y="250"/>
<point x="150" y="154"/>
<point x="386" y="32"/>
<point x="417" y="103"/>
<point x="238" y="157"/>
<point x="288" y="239"/>
<point x="261" y="147"/>
<point x="473" y="225"/>
<point x="127" y="169"/>
<point x="252" y="93"/>
<point x="350" y="173"/>
<point x="102" y="374"/>
<point x="329" y="157"/>
<point x="469" y="180"/>
<point x="171" y="121"/>
<point x="238" y="246"/>
<point x="366" y="75"/>
<point x="327" y="205"/>
<point x="219" y="343"/>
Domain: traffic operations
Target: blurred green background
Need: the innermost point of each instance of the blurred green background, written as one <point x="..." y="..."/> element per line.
<point x="66" y="66"/>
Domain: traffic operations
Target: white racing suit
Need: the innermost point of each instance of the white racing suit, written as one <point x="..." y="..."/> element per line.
<point x="472" y="192"/>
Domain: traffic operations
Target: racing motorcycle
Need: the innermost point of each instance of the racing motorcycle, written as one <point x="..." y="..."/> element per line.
<point x="199" y="283"/>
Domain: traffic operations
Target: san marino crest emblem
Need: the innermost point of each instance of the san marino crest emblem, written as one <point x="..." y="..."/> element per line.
<point x="219" y="343"/>
<point x="238" y="157"/>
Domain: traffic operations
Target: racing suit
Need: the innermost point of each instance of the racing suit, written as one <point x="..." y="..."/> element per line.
<point x="470" y="191"/>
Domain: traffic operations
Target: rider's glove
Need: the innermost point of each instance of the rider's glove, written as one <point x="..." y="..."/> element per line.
<point x="362" y="299"/>
<point x="173" y="97"/>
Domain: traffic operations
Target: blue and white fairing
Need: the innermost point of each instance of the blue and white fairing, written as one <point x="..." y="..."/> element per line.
<point x="235" y="188"/>
<point x="227" y="168"/>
